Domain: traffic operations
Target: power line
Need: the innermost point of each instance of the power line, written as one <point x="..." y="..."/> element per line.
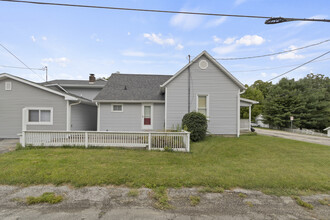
<point x="299" y="66"/>
<point x="17" y="67"/>
<point x="20" y="61"/>
<point x="161" y="11"/>
<point x="272" y="54"/>
<point x="273" y="68"/>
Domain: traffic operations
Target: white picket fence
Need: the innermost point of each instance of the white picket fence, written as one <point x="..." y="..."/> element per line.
<point x="178" y="141"/>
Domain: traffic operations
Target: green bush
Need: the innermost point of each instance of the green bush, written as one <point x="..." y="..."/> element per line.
<point x="196" y="124"/>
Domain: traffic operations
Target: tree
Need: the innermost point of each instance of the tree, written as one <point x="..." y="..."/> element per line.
<point x="264" y="87"/>
<point x="254" y="94"/>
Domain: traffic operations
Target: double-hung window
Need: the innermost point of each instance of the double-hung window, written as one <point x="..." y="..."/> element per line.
<point x="202" y="104"/>
<point x="40" y="116"/>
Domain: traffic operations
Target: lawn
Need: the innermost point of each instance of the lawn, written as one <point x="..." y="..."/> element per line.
<point x="273" y="165"/>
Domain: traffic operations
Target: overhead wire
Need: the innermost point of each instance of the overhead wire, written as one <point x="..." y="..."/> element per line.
<point x="17" y="67"/>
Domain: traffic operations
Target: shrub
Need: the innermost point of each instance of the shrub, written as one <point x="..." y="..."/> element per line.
<point x="196" y="124"/>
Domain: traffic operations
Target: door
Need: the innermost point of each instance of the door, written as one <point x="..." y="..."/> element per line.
<point x="147" y="119"/>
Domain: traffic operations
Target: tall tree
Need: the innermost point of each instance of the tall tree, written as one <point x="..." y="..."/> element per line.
<point x="254" y="94"/>
<point x="264" y="87"/>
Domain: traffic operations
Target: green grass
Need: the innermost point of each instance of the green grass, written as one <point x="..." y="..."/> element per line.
<point x="302" y="203"/>
<point x="133" y="193"/>
<point x="273" y="165"/>
<point x="194" y="200"/>
<point x="242" y="195"/>
<point x="47" y="197"/>
<point x="161" y="197"/>
<point x="324" y="202"/>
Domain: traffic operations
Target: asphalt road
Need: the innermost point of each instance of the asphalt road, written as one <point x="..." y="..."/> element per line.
<point x="294" y="136"/>
<point x="115" y="203"/>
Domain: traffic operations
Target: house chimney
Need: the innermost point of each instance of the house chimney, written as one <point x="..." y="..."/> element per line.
<point x="91" y="78"/>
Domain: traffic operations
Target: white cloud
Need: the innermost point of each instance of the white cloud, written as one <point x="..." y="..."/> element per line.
<point x="216" y="39"/>
<point x="95" y="37"/>
<point x="238" y="2"/>
<point x="131" y="53"/>
<point x="248" y="40"/>
<point x="186" y="22"/>
<point x="302" y="23"/>
<point x="44" y="38"/>
<point x="33" y="38"/>
<point x="61" y="61"/>
<point x="289" y="55"/>
<point x="229" y="40"/>
<point x="158" y="39"/>
<point x="128" y="33"/>
<point x="225" y="49"/>
<point x="179" y="47"/>
<point x="263" y="74"/>
<point x="216" y="22"/>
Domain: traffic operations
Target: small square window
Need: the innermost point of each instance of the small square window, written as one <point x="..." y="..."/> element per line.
<point x="8" y="86"/>
<point x="117" y="108"/>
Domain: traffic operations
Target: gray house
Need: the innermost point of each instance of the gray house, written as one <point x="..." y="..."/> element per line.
<point x="133" y="102"/>
<point x="25" y="105"/>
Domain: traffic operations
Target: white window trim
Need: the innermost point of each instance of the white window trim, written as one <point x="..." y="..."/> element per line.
<point x="207" y="103"/>
<point x="40" y="122"/>
<point x="147" y="127"/>
<point x="122" y="108"/>
<point x="8" y="86"/>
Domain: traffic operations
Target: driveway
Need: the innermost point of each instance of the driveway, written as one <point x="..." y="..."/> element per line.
<point x="294" y="136"/>
<point x="7" y="145"/>
<point x="116" y="203"/>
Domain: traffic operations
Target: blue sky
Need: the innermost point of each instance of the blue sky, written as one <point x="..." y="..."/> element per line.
<point x="74" y="42"/>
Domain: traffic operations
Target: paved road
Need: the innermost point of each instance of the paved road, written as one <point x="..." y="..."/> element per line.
<point x="294" y="136"/>
<point x="115" y="203"/>
<point x="7" y="145"/>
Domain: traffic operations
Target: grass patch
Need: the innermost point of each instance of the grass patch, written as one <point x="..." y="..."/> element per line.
<point x="208" y="189"/>
<point x="250" y="204"/>
<point x="194" y="200"/>
<point x="133" y="193"/>
<point x="47" y="197"/>
<point x="242" y="195"/>
<point x="161" y="197"/>
<point x="302" y="203"/>
<point x="273" y="165"/>
<point x="324" y="202"/>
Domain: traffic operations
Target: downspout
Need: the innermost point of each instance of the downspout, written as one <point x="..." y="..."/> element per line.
<point x="189" y="85"/>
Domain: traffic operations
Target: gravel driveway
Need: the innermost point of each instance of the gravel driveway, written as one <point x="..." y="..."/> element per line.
<point x="294" y="136"/>
<point x="7" y="145"/>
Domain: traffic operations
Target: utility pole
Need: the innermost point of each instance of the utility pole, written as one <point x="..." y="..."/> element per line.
<point x="189" y="85"/>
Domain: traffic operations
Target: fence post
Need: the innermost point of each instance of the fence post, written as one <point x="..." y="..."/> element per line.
<point x="149" y="141"/>
<point x="188" y="142"/>
<point x="23" y="139"/>
<point x="86" y="139"/>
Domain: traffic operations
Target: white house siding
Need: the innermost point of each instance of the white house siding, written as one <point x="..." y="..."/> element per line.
<point x="222" y="92"/>
<point x="130" y="119"/>
<point x="21" y="96"/>
<point x="88" y="93"/>
<point x="83" y="117"/>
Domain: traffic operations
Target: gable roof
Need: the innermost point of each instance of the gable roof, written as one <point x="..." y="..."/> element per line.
<point x="132" y="87"/>
<point x="36" y="85"/>
<point x="226" y="72"/>
<point x="99" y="83"/>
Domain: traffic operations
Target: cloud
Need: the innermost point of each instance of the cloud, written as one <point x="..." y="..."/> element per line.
<point x="248" y="40"/>
<point x="216" y="39"/>
<point x="264" y="74"/>
<point x="128" y="33"/>
<point x="238" y="2"/>
<point x="225" y="49"/>
<point x="216" y="22"/>
<point x="61" y="61"/>
<point x="33" y="38"/>
<point x="179" y="47"/>
<point x="229" y="40"/>
<point x="131" y="53"/>
<point x="186" y="22"/>
<point x="302" y="23"/>
<point x="158" y="39"/>
<point x="44" y="38"/>
<point x="289" y="55"/>
<point x="95" y="37"/>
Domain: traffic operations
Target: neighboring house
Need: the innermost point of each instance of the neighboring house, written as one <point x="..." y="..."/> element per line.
<point x="25" y="105"/>
<point x="134" y="102"/>
<point x="260" y="122"/>
<point x="328" y="131"/>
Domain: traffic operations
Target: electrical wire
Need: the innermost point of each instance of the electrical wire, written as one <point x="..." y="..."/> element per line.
<point x="17" y="67"/>
<point x="272" y="54"/>
<point x="21" y="61"/>
<point x="299" y="66"/>
<point x="158" y="11"/>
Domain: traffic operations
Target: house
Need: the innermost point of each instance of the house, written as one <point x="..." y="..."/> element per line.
<point x="260" y="122"/>
<point x="25" y="105"/>
<point x="328" y="130"/>
<point x="135" y="102"/>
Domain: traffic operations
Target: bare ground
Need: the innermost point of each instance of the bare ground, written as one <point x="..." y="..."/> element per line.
<point x="115" y="203"/>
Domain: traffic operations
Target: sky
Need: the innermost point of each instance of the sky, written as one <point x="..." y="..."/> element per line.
<point x="74" y="42"/>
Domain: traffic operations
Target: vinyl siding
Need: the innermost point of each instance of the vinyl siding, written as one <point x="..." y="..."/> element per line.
<point x="130" y="119"/>
<point x="83" y="117"/>
<point x="21" y="96"/>
<point x="222" y="92"/>
<point x="84" y="92"/>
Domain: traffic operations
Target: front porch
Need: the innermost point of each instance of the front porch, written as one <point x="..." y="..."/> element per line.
<point x="245" y="124"/>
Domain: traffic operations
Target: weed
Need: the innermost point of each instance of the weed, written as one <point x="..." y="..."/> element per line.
<point x="302" y="203"/>
<point x="161" y="197"/>
<point x="133" y="193"/>
<point x="250" y="204"/>
<point x="242" y="195"/>
<point x="168" y="149"/>
<point x="324" y="202"/>
<point x="47" y="197"/>
<point x="194" y="200"/>
<point x="19" y="146"/>
<point x="208" y="189"/>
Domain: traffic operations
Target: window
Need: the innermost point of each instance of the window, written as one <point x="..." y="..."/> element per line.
<point x="40" y="116"/>
<point x="8" y="86"/>
<point x="202" y="104"/>
<point x="117" y="108"/>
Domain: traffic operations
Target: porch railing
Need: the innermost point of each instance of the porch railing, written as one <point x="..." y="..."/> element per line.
<point x="177" y="141"/>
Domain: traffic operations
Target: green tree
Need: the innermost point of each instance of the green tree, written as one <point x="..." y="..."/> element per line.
<point x="254" y="94"/>
<point x="264" y="87"/>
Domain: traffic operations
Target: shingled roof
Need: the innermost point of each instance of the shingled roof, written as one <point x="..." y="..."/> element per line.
<point x="75" y="83"/>
<point x="133" y="87"/>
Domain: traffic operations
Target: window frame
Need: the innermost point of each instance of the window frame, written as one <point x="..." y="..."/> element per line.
<point x="8" y="86"/>
<point x="113" y="110"/>
<point x="39" y="122"/>
<point x="207" y="103"/>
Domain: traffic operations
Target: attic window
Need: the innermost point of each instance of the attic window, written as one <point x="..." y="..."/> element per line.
<point x="117" y="108"/>
<point x="7" y="86"/>
<point x="203" y="64"/>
